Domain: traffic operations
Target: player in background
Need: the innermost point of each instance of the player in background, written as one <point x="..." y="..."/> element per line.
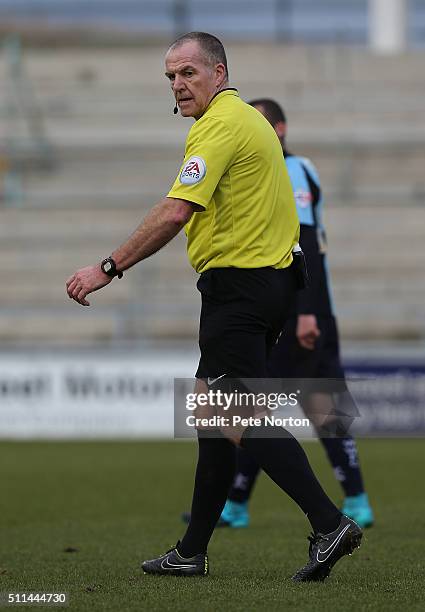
<point x="309" y="345"/>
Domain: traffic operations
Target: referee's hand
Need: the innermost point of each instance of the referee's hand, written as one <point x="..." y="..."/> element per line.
<point x="85" y="281"/>
<point x="307" y="331"/>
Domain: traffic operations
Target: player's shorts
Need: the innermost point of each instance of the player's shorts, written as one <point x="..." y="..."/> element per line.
<point x="243" y="312"/>
<point x="289" y="359"/>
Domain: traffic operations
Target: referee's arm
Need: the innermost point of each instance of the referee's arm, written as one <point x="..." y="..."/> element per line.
<point x="161" y="224"/>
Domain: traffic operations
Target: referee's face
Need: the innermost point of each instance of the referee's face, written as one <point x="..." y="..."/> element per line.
<point x="192" y="80"/>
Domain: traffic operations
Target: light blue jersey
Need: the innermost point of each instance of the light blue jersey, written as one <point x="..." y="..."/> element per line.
<point x="309" y="200"/>
<point x="309" y="211"/>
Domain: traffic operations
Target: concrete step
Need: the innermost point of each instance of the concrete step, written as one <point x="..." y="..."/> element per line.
<point x="91" y="329"/>
<point x="133" y="103"/>
<point x="296" y="62"/>
<point x="96" y="326"/>
<point x="67" y="330"/>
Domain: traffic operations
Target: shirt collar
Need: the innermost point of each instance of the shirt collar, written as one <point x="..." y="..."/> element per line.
<point x="228" y="91"/>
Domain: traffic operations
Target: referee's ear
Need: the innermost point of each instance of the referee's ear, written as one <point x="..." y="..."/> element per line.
<point x="220" y="75"/>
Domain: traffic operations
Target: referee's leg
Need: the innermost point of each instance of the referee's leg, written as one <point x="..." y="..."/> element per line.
<point x="233" y="345"/>
<point x="214" y="475"/>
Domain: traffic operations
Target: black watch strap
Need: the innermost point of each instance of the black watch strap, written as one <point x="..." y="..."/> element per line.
<point x="109" y="267"/>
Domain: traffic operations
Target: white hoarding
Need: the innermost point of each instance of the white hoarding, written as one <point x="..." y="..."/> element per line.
<point x="88" y="396"/>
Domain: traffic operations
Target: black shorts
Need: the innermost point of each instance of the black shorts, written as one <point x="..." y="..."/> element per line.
<point x="289" y="359"/>
<point x="243" y="312"/>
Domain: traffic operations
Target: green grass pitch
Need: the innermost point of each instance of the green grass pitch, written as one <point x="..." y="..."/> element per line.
<point x="116" y="504"/>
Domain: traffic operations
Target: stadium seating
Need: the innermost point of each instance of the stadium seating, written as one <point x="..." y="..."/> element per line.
<point x="117" y="147"/>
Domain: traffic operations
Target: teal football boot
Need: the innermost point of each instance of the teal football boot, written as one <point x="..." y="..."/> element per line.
<point x="235" y="514"/>
<point x="358" y="508"/>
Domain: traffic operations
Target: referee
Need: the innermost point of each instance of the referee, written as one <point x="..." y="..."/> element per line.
<point x="234" y="199"/>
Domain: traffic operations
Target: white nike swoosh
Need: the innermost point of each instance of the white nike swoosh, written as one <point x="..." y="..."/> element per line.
<point x="331" y="547"/>
<point x="211" y="381"/>
<point x="170" y="566"/>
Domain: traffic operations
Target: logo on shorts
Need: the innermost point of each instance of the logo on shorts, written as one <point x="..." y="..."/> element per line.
<point x="193" y="171"/>
<point x="211" y="381"/>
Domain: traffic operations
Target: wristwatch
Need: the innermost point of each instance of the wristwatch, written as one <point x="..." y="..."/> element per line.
<point x="109" y="267"/>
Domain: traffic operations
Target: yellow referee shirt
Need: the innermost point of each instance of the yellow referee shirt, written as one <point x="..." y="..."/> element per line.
<point x="234" y="168"/>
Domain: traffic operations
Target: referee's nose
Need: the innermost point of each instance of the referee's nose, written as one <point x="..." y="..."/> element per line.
<point x="178" y="83"/>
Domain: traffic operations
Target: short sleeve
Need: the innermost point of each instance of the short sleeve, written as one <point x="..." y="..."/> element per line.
<point x="210" y="149"/>
<point x="311" y="169"/>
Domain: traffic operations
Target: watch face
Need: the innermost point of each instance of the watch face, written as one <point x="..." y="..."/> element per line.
<point x="107" y="266"/>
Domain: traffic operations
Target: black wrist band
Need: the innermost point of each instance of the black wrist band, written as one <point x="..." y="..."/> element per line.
<point x="109" y="267"/>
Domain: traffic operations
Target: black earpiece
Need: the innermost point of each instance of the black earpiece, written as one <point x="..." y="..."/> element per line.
<point x="176" y="109"/>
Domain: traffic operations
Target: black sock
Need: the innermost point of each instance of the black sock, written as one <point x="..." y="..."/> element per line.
<point x="214" y="474"/>
<point x="280" y="455"/>
<point x="342" y="453"/>
<point x="247" y="470"/>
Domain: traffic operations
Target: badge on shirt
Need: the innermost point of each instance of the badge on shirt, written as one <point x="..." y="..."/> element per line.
<point x="303" y="198"/>
<point x="193" y="171"/>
